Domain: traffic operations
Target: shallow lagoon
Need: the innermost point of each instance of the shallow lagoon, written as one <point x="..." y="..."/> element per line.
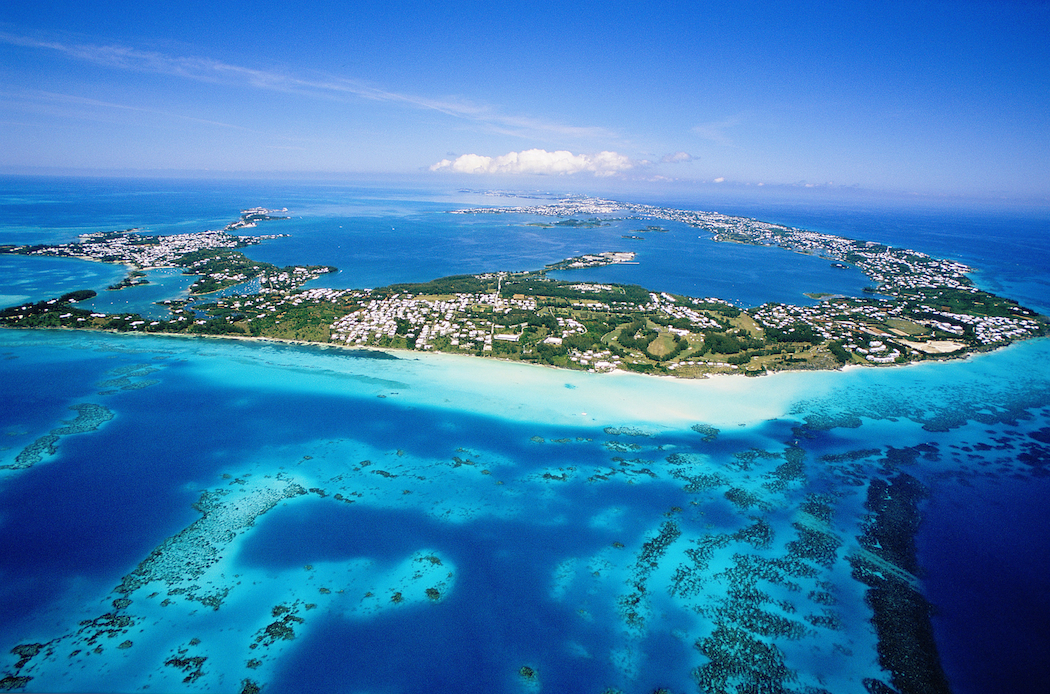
<point x="526" y="509"/>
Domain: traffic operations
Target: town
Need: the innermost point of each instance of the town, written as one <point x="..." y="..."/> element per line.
<point x="917" y="308"/>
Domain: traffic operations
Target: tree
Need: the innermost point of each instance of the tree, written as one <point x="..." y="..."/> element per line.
<point x="720" y="343"/>
<point x="838" y="351"/>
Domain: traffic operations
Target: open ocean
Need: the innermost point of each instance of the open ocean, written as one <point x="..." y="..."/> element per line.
<point x="213" y="515"/>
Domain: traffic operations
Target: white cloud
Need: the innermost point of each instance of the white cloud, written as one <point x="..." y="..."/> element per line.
<point x="538" y="161"/>
<point x="720" y="179"/>
<point x="677" y="158"/>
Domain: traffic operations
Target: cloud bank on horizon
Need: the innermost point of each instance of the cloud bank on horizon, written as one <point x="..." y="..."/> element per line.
<point x="539" y="162"/>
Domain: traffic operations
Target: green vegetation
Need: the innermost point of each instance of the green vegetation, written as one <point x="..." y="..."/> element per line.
<point x="799" y="332"/>
<point x="455" y="284"/>
<point x="221" y="268"/>
<point x="307" y="322"/>
<point x="79" y="295"/>
<point x="571" y="223"/>
<point x="531" y="317"/>
<point x="906" y="326"/>
<point x="978" y="303"/>
<point x="839" y="352"/>
<point x="43" y="314"/>
<point x="134" y="278"/>
<point x="536" y="285"/>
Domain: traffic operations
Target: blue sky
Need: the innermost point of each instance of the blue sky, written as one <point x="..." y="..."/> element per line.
<point x="928" y="97"/>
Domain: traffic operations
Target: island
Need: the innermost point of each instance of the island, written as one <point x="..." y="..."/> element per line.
<point x="917" y="308"/>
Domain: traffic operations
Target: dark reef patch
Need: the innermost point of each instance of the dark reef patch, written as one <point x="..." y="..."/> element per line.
<point x="901" y="614"/>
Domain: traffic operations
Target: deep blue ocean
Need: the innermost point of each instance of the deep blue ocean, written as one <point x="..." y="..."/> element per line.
<point x="408" y="523"/>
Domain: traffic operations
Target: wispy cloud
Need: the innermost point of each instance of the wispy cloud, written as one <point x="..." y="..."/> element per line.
<point x="539" y="161"/>
<point x="208" y="70"/>
<point x="677" y="158"/>
<point x="45" y="99"/>
<point x="716" y="131"/>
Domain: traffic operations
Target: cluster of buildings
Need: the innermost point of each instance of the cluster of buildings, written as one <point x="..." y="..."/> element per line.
<point x="566" y="327"/>
<point x="427" y="320"/>
<point x="271" y="301"/>
<point x="715" y="222"/>
<point x="596" y="360"/>
<point x="658" y="303"/>
<point x="877" y="352"/>
<point x="706" y="364"/>
<point x="988" y="330"/>
<point x="665" y="303"/>
<point x="286" y="280"/>
<point x="895" y="271"/>
<point x="594" y="260"/>
<point x="129" y="248"/>
<point x="145" y="251"/>
<point x="787" y="316"/>
<point x="898" y="270"/>
<point x="572" y="206"/>
<point x="592" y="288"/>
<point x="846" y="319"/>
<point x="249" y="218"/>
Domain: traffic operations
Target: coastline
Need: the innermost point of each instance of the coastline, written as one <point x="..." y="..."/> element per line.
<point x="928" y="309"/>
<point x="580" y="397"/>
<point x="403" y="352"/>
<point x="568" y="396"/>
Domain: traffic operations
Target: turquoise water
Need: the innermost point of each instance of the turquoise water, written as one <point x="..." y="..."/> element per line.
<point x="144" y="299"/>
<point x="340" y="486"/>
<point x="24" y="279"/>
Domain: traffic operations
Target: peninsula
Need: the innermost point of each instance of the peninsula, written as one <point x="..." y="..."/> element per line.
<point x="917" y="308"/>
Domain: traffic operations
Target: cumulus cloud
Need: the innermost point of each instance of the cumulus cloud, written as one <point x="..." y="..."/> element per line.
<point x="677" y="158"/>
<point x="538" y="161"/>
